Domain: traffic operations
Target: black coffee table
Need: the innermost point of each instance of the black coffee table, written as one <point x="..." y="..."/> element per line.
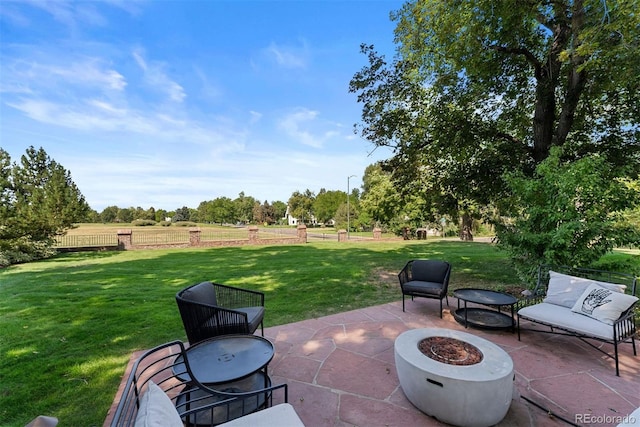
<point x="486" y="318"/>
<point x="231" y="364"/>
<point x="227" y="358"/>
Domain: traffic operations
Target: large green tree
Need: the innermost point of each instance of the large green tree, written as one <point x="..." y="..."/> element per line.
<point x="39" y="202"/>
<point x="326" y="204"/>
<point x="244" y="206"/>
<point x="480" y="88"/>
<point x="301" y="205"/>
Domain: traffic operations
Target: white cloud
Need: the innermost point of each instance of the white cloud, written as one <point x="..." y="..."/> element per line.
<point x="305" y="127"/>
<point x="74" y="14"/>
<point x="55" y="74"/>
<point x="288" y="56"/>
<point x="255" y="117"/>
<point x="294" y="123"/>
<point x="156" y="78"/>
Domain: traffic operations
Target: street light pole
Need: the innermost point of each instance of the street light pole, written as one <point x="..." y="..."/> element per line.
<point x="348" y="210"/>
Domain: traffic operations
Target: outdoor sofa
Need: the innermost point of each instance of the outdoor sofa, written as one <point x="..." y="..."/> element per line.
<point x="585" y="303"/>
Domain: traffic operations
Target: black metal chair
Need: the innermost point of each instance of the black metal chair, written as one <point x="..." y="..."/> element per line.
<point x="211" y="309"/>
<point x="196" y="404"/>
<point x="425" y="278"/>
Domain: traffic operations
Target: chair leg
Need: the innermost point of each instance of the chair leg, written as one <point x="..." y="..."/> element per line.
<point x="441" y="308"/>
<point x="403" y="302"/>
<point x="447" y="297"/>
<point x="615" y="349"/>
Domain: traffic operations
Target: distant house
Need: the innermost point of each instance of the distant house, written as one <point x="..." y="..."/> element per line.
<point x="291" y="220"/>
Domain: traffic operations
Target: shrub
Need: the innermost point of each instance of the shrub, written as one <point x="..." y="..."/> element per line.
<point x="143" y="222"/>
<point x="185" y="224"/>
<point x="21" y="249"/>
<point x="569" y="213"/>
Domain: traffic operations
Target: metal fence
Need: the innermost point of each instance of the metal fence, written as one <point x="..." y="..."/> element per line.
<point x="143" y="238"/>
<point x="176" y="237"/>
<point x="86" y="241"/>
<point x="231" y="234"/>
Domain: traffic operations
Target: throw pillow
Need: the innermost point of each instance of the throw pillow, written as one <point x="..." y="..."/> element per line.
<point x="564" y="290"/>
<point x="156" y="409"/>
<point x="603" y="304"/>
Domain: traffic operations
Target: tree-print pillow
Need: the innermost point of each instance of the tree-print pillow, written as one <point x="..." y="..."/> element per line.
<point x="603" y="304"/>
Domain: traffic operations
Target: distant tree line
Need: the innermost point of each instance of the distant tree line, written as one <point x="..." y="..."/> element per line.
<point x="222" y="210"/>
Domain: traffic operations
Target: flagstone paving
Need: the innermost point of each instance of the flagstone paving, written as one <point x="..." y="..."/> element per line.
<point x="341" y="372"/>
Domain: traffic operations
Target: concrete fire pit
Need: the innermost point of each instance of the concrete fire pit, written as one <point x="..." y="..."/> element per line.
<point x="464" y="380"/>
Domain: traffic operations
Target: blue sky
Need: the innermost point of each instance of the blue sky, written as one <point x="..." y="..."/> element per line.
<point x="171" y="103"/>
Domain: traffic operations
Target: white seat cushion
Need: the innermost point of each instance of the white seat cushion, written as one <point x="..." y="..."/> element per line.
<point x="275" y="416"/>
<point x="633" y="419"/>
<point x="565" y="318"/>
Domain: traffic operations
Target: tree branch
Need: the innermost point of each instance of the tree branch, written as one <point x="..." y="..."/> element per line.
<point x="520" y="51"/>
<point x="510" y="138"/>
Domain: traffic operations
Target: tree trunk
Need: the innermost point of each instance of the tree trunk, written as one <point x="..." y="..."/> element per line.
<point x="545" y="132"/>
<point x="466" y="227"/>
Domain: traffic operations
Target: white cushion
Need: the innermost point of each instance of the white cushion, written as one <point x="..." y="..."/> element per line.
<point x="275" y="416"/>
<point x="564" y="290"/>
<point x="565" y="318"/>
<point x="156" y="409"/>
<point x="633" y="419"/>
<point x="603" y="304"/>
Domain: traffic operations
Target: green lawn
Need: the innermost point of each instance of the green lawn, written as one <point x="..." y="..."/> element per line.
<point x="70" y="324"/>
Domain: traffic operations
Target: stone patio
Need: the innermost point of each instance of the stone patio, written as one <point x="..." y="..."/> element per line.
<point x="341" y="372"/>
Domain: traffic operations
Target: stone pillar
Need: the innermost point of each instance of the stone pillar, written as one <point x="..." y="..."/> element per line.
<point x="377" y="233"/>
<point x="124" y="239"/>
<point x="302" y="233"/>
<point x="342" y="235"/>
<point x="253" y="234"/>
<point x="194" y="236"/>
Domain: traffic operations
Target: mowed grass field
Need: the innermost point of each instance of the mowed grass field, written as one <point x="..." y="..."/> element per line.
<point x="69" y="324"/>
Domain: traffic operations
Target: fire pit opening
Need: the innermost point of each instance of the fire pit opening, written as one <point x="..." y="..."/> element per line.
<point x="451" y="351"/>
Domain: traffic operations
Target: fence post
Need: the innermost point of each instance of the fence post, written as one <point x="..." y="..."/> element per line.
<point x="194" y="236"/>
<point x="124" y="239"/>
<point x="342" y="235"/>
<point x="253" y="234"/>
<point x="302" y="233"/>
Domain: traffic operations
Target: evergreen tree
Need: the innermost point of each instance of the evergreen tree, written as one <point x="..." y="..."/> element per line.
<point x="39" y="202"/>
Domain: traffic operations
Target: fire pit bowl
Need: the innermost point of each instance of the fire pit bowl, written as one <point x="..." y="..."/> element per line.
<point x="456" y="377"/>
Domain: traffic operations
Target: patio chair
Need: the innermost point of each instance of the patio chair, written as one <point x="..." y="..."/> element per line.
<point x="211" y="309"/>
<point x="425" y="278"/>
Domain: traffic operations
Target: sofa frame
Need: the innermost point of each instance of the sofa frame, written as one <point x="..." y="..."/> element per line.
<point x="623" y="329"/>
